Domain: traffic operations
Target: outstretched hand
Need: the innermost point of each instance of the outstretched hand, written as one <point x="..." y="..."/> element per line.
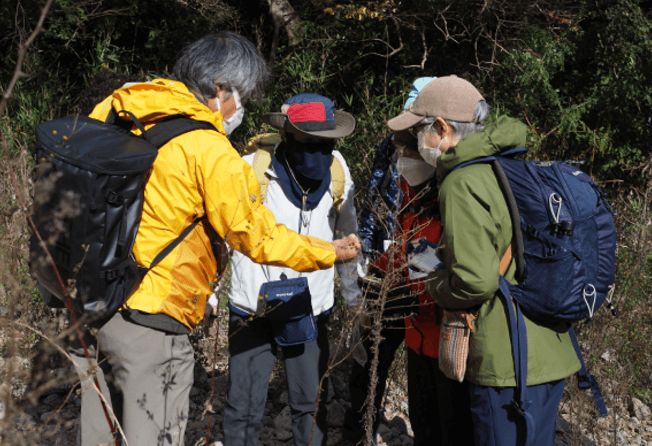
<point x="347" y="248"/>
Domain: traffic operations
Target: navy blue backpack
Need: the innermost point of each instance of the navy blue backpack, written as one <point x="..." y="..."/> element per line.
<point x="564" y="246"/>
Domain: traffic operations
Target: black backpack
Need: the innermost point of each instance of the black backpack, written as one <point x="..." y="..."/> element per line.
<point x="90" y="179"/>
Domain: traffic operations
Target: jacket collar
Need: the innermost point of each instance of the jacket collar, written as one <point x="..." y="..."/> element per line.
<point x="502" y="134"/>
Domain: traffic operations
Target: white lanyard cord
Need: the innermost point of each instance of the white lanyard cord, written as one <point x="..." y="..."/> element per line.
<point x="556" y="199"/>
<point x="585" y="295"/>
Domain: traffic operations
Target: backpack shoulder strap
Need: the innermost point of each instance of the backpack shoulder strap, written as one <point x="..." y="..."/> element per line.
<point x="338" y="179"/>
<point x="265" y="141"/>
<point x="262" y="161"/>
<point x="159" y="135"/>
<point x="517" y="247"/>
<point x="172" y="127"/>
<point x="263" y="145"/>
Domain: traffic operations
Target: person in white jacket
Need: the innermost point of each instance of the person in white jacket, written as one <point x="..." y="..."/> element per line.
<point x="275" y="307"/>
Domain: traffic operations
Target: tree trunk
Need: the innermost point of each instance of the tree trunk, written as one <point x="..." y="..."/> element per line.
<point x="285" y="17"/>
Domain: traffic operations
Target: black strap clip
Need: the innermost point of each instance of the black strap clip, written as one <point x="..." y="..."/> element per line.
<point x="110" y="274"/>
<point x="517" y="407"/>
<point x="113" y="198"/>
<point x="532" y="231"/>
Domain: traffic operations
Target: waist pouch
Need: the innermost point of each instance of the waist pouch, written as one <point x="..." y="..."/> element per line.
<point x="288" y="306"/>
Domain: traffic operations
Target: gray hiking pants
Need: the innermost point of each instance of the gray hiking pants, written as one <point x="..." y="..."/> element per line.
<point x="146" y="375"/>
<point x="253" y="352"/>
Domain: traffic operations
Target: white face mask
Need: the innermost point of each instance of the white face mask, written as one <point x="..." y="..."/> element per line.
<point x="414" y="171"/>
<point x="234" y="121"/>
<point x="429" y="154"/>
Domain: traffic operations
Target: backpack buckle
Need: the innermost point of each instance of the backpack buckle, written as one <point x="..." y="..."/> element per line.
<point x="111" y="274"/>
<point x="517" y="407"/>
<point x="113" y="198"/>
<point x="532" y="231"/>
<point x="567" y="228"/>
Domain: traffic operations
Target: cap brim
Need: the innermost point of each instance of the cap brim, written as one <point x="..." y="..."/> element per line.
<point x="275" y="119"/>
<point x="344" y="125"/>
<point x="404" y="121"/>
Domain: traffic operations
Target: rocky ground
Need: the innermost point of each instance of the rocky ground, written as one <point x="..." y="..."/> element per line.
<point x="53" y="416"/>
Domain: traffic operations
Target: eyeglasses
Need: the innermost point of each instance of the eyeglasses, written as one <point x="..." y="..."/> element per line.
<point x="419" y="128"/>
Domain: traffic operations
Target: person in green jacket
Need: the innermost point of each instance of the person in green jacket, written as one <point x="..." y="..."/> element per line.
<point x="477" y="231"/>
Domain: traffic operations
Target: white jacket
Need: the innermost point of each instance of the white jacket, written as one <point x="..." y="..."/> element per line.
<point x="322" y="222"/>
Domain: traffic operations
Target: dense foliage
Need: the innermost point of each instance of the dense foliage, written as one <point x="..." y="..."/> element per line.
<point x="577" y="72"/>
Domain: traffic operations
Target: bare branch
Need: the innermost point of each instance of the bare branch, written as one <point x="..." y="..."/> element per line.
<point x="425" y="53"/>
<point x="22" y="52"/>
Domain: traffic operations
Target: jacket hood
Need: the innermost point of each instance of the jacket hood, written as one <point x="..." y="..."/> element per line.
<point x="160" y="98"/>
<point x="504" y="133"/>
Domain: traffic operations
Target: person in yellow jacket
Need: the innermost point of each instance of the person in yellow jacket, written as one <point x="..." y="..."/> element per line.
<point x="143" y="351"/>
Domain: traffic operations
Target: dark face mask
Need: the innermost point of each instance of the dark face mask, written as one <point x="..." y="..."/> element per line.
<point x="310" y="160"/>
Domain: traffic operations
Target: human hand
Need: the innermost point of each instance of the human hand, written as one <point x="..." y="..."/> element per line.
<point x="346" y="248"/>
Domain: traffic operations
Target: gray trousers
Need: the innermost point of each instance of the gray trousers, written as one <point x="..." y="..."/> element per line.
<point x="146" y="375"/>
<point x="253" y="351"/>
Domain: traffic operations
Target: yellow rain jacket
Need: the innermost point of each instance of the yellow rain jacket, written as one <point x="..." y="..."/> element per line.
<point x="199" y="174"/>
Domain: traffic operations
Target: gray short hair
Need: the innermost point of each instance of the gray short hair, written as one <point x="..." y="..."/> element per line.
<point x="463" y="129"/>
<point x="226" y="59"/>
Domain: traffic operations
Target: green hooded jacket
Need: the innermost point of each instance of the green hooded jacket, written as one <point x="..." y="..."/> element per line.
<point x="476" y="233"/>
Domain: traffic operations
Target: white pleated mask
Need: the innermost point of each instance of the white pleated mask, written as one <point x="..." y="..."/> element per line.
<point x="236" y="119"/>
<point x="414" y="171"/>
<point x="429" y="154"/>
